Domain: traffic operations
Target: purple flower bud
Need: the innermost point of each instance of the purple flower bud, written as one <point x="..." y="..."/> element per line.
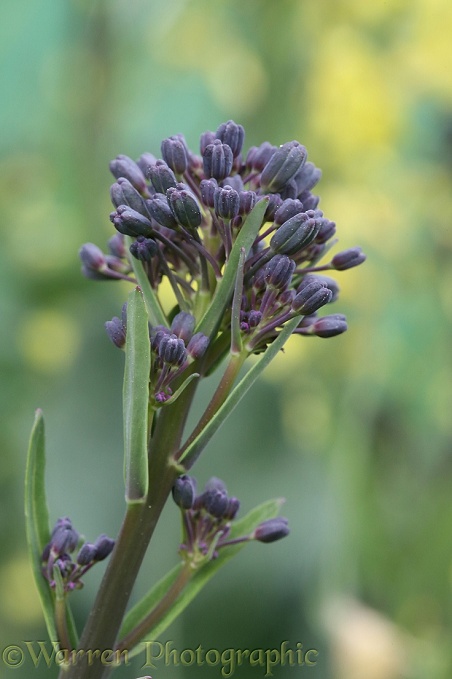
<point x="183" y="325"/>
<point x="247" y="200"/>
<point x="273" y="204"/>
<point x="216" y="502"/>
<point x="174" y="153"/>
<point x="157" y="333"/>
<point x="271" y="530"/>
<point x="144" y="161"/>
<point x="328" y="282"/>
<point x="130" y="222"/>
<point x="123" y="193"/>
<point x="289" y="208"/>
<point x="258" y="156"/>
<point x="329" y="326"/>
<point x="294" y="235"/>
<point x="123" y="166"/>
<point x="231" y="134"/>
<point x="64" y="538"/>
<point x="86" y="555"/>
<point x="278" y="272"/>
<point x="214" y="483"/>
<point x="143" y="249"/>
<point x="92" y="257"/>
<point x="282" y="166"/>
<point x="184" y="490"/>
<point x="226" y="202"/>
<point x="217" y="160"/>
<point x="232" y="509"/>
<point x="159" y="210"/>
<point x="116" y="332"/>
<point x="206" y="139"/>
<point x="254" y="318"/>
<point x="311" y="296"/>
<point x="327" y="230"/>
<point x="235" y="182"/>
<point x="307" y="177"/>
<point x="104" y="546"/>
<point x="172" y="350"/>
<point x="197" y="346"/>
<point x="117" y="247"/>
<point x="161" y="176"/>
<point x="184" y="206"/>
<point x="208" y="187"/>
<point x="310" y="202"/>
<point x="348" y="259"/>
<point x="290" y="190"/>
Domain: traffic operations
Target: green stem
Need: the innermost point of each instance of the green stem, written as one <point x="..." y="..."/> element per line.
<point x="105" y="619"/>
<point x="226" y="383"/>
<point x="165" y="603"/>
<point x="61" y="623"/>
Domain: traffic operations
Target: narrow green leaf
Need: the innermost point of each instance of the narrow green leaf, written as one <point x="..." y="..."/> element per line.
<point x="37" y="518"/>
<point x="194" y="449"/>
<point x="236" y="333"/>
<point x="136" y="398"/>
<point x="155" y="311"/>
<point x="245" y="526"/>
<point x="225" y="289"/>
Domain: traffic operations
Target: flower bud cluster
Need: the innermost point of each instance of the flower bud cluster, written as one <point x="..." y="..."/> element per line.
<point x="183" y="213"/>
<point x="173" y="350"/>
<point x="207" y="519"/>
<point x="64" y="541"/>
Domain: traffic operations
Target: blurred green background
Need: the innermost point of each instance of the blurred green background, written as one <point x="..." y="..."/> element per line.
<point x="355" y="432"/>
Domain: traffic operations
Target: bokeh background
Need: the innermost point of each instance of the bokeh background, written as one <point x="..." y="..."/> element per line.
<point x="355" y="431"/>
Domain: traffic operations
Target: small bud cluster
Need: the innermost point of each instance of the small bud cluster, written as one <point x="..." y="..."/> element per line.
<point x="207" y="520"/>
<point x="174" y="349"/>
<point x="182" y="214"/>
<point x="64" y="541"/>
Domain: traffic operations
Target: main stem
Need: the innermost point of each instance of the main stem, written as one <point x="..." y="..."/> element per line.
<point x="102" y="628"/>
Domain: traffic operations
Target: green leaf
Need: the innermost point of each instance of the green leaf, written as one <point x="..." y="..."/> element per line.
<point x="155" y="311"/>
<point x="136" y="399"/>
<point x="37" y="518"/>
<point x="223" y="294"/>
<point x="242" y="527"/>
<point x="194" y="449"/>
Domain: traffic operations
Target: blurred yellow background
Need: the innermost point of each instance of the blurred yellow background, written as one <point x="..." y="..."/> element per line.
<point x="355" y="432"/>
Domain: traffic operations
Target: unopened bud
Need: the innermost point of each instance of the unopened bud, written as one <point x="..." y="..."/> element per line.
<point x="247" y="200"/>
<point x="294" y="235"/>
<point x="130" y="222"/>
<point x="307" y="177"/>
<point x="231" y="134"/>
<point x="258" y="156"/>
<point x="143" y="249"/>
<point x="172" y="350"/>
<point x="86" y="554"/>
<point x="116" y="332"/>
<point x="282" y="166"/>
<point x="184" y="490"/>
<point x="183" y="325"/>
<point x="123" y="166"/>
<point x="184" y="206"/>
<point x="312" y="296"/>
<point x="226" y="202"/>
<point x="208" y="187"/>
<point x="92" y="257"/>
<point x="348" y="259"/>
<point x="174" y="153"/>
<point x="289" y="208"/>
<point x="197" y="346"/>
<point x="271" y="530"/>
<point x="161" y="176"/>
<point x="216" y="502"/>
<point x="278" y="272"/>
<point x="329" y="326"/>
<point x="103" y="546"/>
<point x="217" y="160"/>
